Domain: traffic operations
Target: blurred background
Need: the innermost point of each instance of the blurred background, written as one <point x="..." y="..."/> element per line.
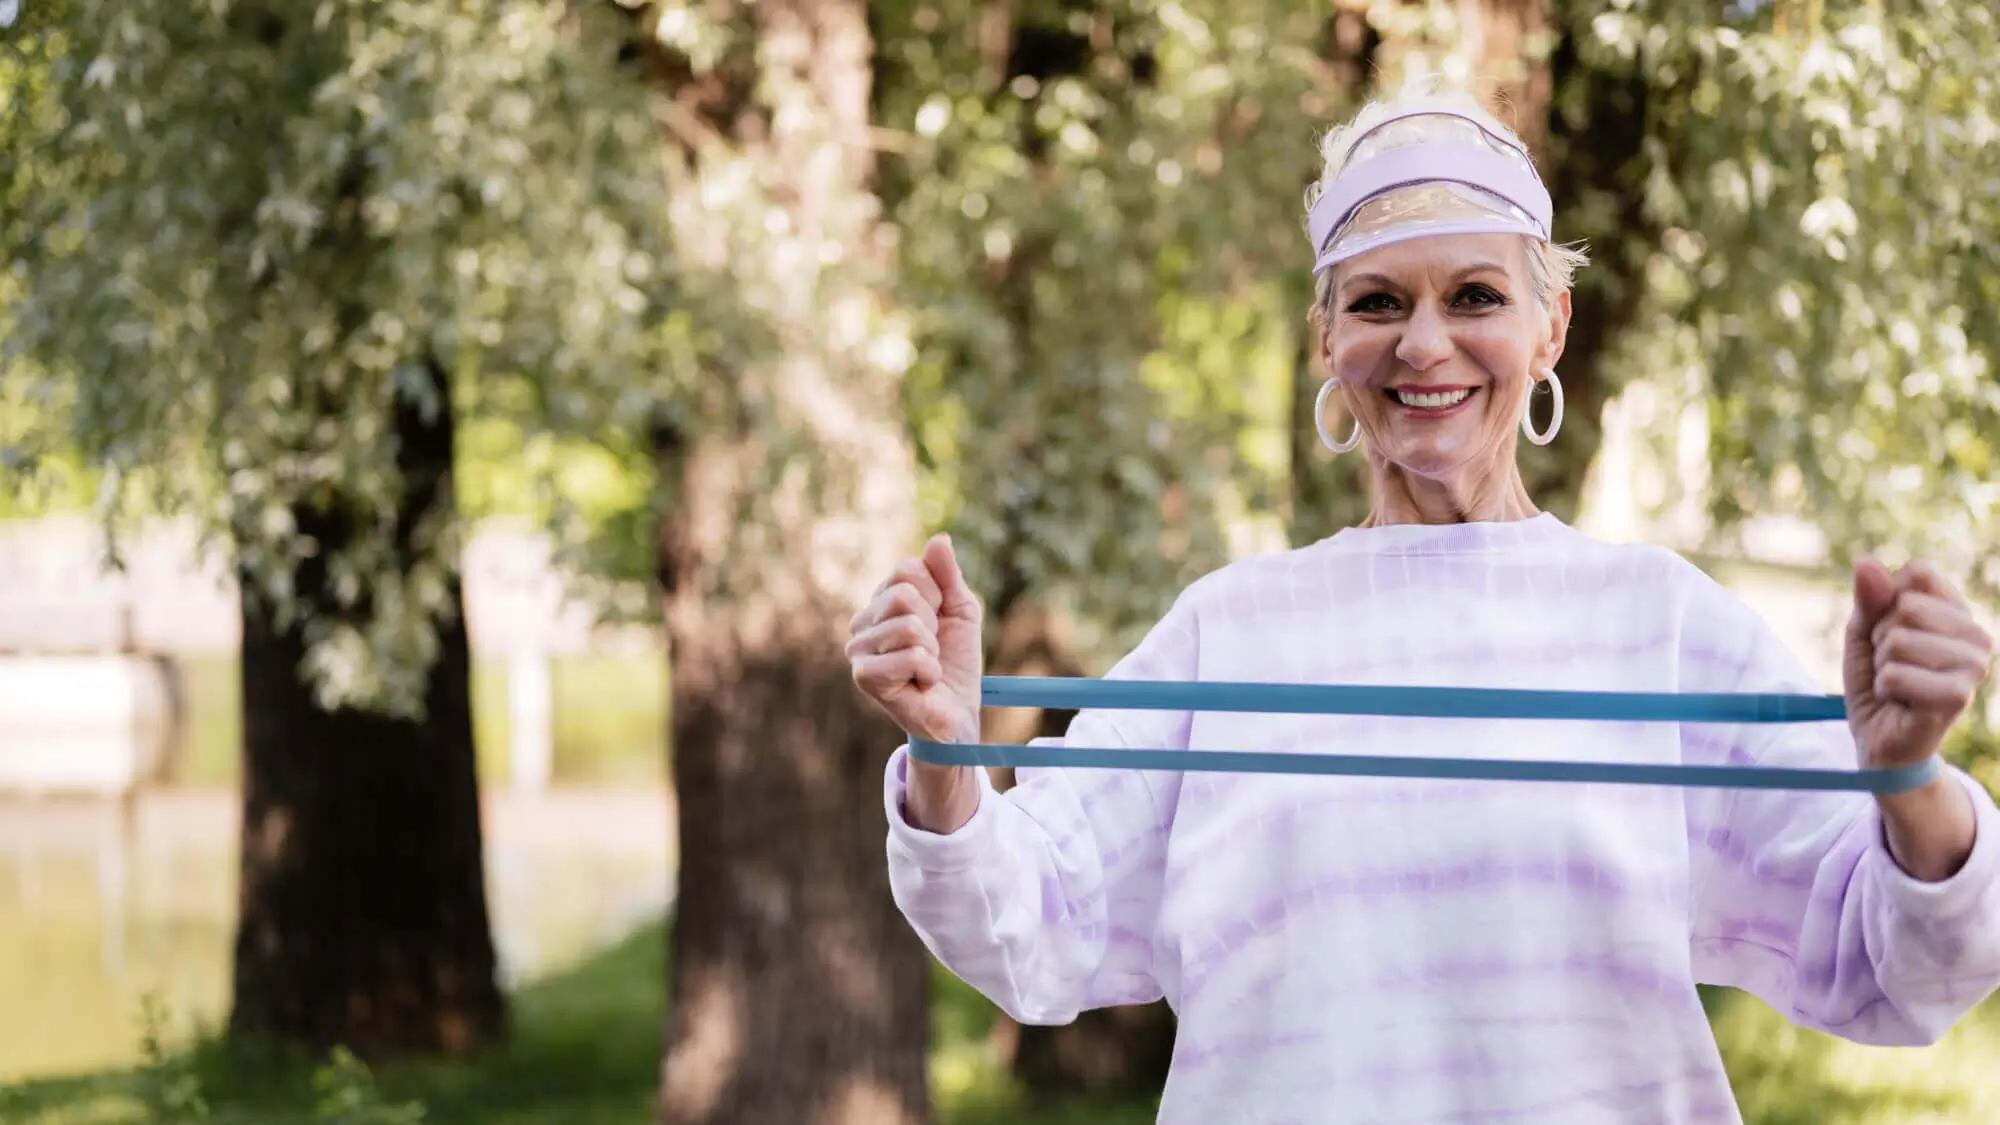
<point x="442" y="441"/>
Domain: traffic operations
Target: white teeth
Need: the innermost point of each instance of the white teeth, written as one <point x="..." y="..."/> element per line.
<point x="1436" y="401"/>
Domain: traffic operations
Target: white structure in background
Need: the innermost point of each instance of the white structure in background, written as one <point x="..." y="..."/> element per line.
<point x="91" y="724"/>
<point x="84" y="706"/>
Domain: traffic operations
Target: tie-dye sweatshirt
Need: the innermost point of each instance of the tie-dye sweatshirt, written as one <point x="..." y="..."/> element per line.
<point x="1401" y="951"/>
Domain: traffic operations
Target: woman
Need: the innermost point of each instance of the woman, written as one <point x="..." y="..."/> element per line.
<point x="1371" y="950"/>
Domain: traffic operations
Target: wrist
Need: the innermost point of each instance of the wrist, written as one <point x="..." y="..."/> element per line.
<point x="940" y="799"/>
<point x="1929" y="830"/>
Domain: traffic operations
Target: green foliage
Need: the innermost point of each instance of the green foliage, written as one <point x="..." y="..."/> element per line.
<point x="168" y="1085"/>
<point x="1826" y="176"/>
<point x="1094" y="215"/>
<point x="347" y="1095"/>
<point x="242" y="230"/>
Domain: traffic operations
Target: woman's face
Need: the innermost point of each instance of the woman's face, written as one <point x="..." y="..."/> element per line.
<point x="1435" y="342"/>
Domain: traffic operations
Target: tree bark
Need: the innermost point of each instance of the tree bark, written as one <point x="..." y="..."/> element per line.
<point x="799" y="992"/>
<point x="363" y="917"/>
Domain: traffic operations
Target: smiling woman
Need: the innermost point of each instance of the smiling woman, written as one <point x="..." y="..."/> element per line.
<point x="1404" y="950"/>
<point x="1435" y="343"/>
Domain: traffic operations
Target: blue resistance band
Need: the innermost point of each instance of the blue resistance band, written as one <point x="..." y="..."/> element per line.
<point x="1422" y="702"/>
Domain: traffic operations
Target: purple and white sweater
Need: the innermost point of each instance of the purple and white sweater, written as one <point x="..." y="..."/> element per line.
<point x="1401" y="951"/>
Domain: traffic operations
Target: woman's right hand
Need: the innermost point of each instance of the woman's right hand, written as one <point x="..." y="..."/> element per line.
<point x="915" y="650"/>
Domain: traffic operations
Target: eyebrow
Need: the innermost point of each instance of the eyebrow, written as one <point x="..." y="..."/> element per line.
<point x="1377" y="279"/>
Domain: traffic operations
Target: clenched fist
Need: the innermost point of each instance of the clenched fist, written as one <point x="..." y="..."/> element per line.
<point x="1914" y="659"/>
<point x="915" y="650"/>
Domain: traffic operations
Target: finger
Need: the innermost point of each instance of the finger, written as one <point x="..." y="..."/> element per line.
<point x="1922" y="689"/>
<point x="1936" y="651"/>
<point x="893" y="635"/>
<point x="1923" y="577"/>
<point x="882" y="676"/>
<point x="958" y="599"/>
<point x="1928" y="613"/>
<point x="913" y="572"/>
<point x="1874" y="594"/>
<point x="900" y="600"/>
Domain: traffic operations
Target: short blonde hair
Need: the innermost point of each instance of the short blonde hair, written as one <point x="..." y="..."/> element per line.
<point x="1552" y="266"/>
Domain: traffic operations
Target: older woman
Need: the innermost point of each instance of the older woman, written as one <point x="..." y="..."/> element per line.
<point x="1350" y="949"/>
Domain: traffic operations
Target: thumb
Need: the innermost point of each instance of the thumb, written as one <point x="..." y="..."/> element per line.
<point x="942" y="562"/>
<point x="1874" y="593"/>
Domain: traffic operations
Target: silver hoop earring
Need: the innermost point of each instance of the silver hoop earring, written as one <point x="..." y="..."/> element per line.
<point x="1319" y="421"/>
<point x="1555" y="418"/>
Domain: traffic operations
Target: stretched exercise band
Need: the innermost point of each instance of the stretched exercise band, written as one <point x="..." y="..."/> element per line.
<point x="1425" y="702"/>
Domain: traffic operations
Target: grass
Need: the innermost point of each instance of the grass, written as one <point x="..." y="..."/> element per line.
<point x="585" y="1052"/>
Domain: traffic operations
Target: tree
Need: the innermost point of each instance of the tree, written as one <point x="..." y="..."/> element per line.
<point x="799" y="992"/>
<point x="264" y="252"/>
<point x="1824" y="290"/>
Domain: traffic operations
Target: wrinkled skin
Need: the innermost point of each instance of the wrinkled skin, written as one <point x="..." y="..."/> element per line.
<point x="1449" y="312"/>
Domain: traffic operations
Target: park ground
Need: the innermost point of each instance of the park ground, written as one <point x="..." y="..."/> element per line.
<point x="585" y="1052"/>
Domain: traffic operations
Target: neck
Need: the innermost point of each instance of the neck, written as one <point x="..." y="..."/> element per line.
<point x="1402" y="497"/>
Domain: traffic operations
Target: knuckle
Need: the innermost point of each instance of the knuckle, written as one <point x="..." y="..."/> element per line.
<point x="1896" y="643"/>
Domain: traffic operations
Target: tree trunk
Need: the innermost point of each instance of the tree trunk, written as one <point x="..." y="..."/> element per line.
<point x="799" y="993"/>
<point x="363" y="917"/>
<point x="1500" y="38"/>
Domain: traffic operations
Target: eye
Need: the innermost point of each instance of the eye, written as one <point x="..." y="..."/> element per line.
<point x="1480" y="296"/>
<point x="1373" y="303"/>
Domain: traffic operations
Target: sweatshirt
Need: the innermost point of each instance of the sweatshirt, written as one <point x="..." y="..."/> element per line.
<point x="1376" y="950"/>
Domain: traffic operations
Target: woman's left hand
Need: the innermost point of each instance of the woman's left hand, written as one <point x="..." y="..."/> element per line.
<point x="1914" y="657"/>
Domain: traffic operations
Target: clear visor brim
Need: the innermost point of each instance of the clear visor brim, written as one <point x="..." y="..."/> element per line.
<point x="1425" y="210"/>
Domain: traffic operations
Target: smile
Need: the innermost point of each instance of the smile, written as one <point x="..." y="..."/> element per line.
<point x="1431" y="400"/>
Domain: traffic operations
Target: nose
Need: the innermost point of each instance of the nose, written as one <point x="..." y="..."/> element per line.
<point x="1426" y="342"/>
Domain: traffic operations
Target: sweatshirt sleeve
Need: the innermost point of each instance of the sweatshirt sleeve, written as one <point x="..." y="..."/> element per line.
<point x="1046" y="900"/>
<point x="1796" y="897"/>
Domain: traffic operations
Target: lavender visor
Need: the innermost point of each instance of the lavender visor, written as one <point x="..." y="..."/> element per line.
<point x="1489" y="187"/>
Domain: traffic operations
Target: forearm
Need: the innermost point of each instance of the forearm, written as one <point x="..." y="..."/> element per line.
<point x="1930" y="831"/>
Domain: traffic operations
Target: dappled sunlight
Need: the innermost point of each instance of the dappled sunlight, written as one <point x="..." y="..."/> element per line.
<point x="1786" y="1076"/>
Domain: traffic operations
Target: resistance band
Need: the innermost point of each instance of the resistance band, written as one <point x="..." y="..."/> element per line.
<point x="1424" y="702"/>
